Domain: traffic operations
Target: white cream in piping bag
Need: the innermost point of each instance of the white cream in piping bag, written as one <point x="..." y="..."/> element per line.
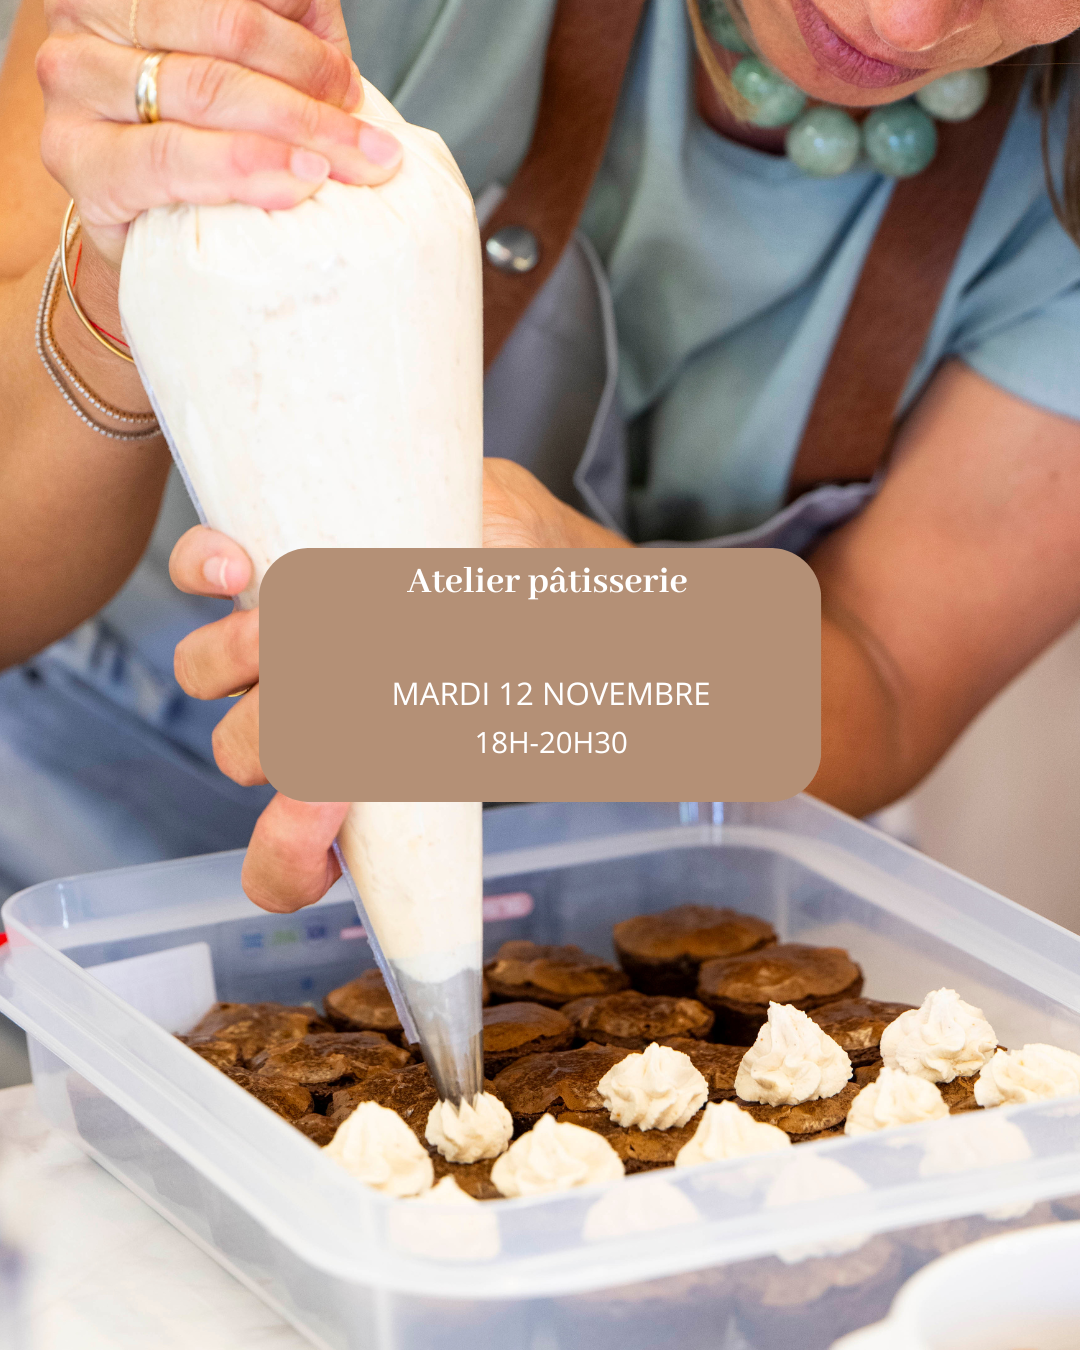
<point x="318" y="373"/>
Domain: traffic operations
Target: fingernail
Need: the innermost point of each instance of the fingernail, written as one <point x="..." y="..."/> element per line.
<point x="379" y="146"/>
<point x="309" y="166"/>
<point x="224" y="574"/>
<point x="355" y="96"/>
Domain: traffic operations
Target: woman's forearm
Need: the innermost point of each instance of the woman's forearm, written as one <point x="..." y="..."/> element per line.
<point x="76" y="509"/>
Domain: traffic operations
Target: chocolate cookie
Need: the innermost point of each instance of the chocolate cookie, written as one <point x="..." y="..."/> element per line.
<point x="856" y="1024"/>
<point x="221" y="1054"/>
<point x="281" y="1095"/>
<point x="319" y="1129"/>
<point x="564" y="1080"/>
<point x="959" y="1095"/>
<point x="739" y="989"/>
<point x="364" y="1004"/>
<point x="807" y="1117"/>
<point x="640" y="1150"/>
<point x="252" y="1027"/>
<point x="717" y="1064"/>
<point x="662" y="953"/>
<point x="809" y="1303"/>
<point x="330" y="1057"/>
<point x="550" y="975"/>
<point x="473" y="1178"/>
<point x="410" y="1092"/>
<point x="635" y="1020"/>
<point x="513" y="1030"/>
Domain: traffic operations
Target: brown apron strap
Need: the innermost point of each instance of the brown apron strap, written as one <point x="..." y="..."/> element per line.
<point x="587" y="56"/>
<point x="851" y="425"/>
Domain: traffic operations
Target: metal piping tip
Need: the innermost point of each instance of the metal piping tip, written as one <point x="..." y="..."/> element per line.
<point x="448" y="1021"/>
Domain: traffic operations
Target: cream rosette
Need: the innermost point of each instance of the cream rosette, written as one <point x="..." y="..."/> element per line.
<point x="376" y="1146"/>
<point x="943" y="1039"/>
<point x="658" y="1089"/>
<point x="791" y="1061"/>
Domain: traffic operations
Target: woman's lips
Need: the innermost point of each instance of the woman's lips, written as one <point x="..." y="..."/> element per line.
<point x="837" y="56"/>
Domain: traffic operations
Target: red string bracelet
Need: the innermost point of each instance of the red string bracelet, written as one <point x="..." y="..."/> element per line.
<point x="96" y="326"/>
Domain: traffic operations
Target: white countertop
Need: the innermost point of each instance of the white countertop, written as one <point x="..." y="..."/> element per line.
<point x="107" y="1272"/>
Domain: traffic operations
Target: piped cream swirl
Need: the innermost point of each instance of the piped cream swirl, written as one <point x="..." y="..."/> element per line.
<point x="727" y="1131"/>
<point x="894" y="1098"/>
<point x="655" y="1090"/>
<point x="376" y="1146"/>
<point x="1034" y="1073"/>
<point x="944" y="1039"/>
<point x="554" y="1157"/>
<point x="471" y="1131"/>
<point x="791" y="1061"/>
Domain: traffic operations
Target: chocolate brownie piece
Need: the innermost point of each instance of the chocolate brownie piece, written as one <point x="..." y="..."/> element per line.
<point x="221" y="1054"/>
<point x="662" y="953"/>
<point x="551" y="975"/>
<point x="252" y="1027"/>
<point x="959" y="1095"/>
<point x="319" y="1129"/>
<point x="473" y="1178"/>
<point x="640" y="1150"/>
<point x="717" y="1064"/>
<point x="564" y="1080"/>
<point x="513" y="1030"/>
<point x="739" y="989"/>
<point x="809" y="1303"/>
<point x="281" y="1095"/>
<point x="856" y="1024"/>
<point x="807" y="1117"/>
<point x="635" y="1020"/>
<point x="364" y="1004"/>
<point x="411" y="1092"/>
<point x="331" y="1057"/>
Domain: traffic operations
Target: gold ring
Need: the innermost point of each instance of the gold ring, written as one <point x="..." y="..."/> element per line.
<point x="146" y="90"/>
<point x="239" y="692"/>
<point x="131" y="24"/>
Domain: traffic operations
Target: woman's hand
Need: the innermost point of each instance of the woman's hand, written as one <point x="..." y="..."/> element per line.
<point x="255" y="99"/>
<point x="519" y="512"/>
<point x="289" y="863"/>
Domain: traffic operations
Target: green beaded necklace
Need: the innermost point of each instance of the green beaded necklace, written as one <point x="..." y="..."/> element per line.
<point x="898" y="139"/>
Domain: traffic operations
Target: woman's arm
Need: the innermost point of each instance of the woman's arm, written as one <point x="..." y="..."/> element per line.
<point x="963" y="568"/>
<point x="248" y="87"/>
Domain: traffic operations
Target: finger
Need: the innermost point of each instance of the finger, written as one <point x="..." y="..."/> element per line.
<point x="167" y="162"/>
<point x="243" y="31"/>
<point x="236" y="742"/>
<point x="98" y="79"/>
<point x="321" y="17"/>
<point x="218" y="659"/>
<point x="207" y="562"/>
<point x="289" y="863"/>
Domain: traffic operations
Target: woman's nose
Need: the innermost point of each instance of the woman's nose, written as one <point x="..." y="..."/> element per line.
<point x="915" y="25"/>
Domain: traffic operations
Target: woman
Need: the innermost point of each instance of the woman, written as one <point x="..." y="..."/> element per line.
<point x="730" y="271"/>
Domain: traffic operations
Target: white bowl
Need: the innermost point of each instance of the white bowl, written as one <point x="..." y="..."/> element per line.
<point x="1020" y="1291"/>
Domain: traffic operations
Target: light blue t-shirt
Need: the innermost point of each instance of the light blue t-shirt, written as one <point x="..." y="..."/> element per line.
<point x="730" y="270"/>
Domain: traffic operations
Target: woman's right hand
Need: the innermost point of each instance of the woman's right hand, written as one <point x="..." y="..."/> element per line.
<point x="255" y="99"/>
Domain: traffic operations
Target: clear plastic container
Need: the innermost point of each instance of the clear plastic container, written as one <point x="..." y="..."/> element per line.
<point x="626" y="1266"/>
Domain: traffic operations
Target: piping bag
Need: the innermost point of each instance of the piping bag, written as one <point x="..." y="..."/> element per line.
<point x="318" y="375"/>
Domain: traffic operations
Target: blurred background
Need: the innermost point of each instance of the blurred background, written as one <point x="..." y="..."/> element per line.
<point x="1003" y="807"/>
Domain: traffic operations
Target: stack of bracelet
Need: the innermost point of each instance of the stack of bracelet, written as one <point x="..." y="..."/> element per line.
<point x="68" y="382"/>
